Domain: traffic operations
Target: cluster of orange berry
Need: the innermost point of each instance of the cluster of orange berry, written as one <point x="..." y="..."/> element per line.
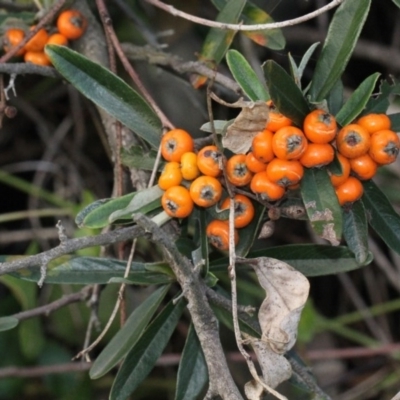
<point x="71" y="25"/>
<point x="189" y="178"/>
<point x="274" y="165"/>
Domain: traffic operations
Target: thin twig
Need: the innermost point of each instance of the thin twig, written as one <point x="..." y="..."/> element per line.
<point x="240" y="27"/>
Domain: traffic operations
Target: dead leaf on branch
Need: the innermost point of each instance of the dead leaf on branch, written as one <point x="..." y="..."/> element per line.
<point x="251" y="120"/>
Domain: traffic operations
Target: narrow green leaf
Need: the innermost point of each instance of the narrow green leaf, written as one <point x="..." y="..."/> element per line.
<point x="295" y="71"/>
<point x="335" y="98"/>
<point x="142" y="357"/>
<point x="144" y="201"/>
<point x="380" y="102"/>
<point x="219" y="126"/>
<point x="355" y="231"/>
<point x="309" y="259"/>
<point x="137" y="157"/>
<point x="7" y="323"/>
<point x="342" y="37"/>
<point x="246" y="77"/>
<point x="306" y="58"/>
<point x="218" y="41"/>
<point x="90" y="270"/>
<point x="128" y="335"/>
<point x="322" y="207"/>
<point x="357" y="101"/>
<point x="192" y="372"/>
<point x="271" y="38"/>
<point x="381" y="215"/>
<point x="108" y="91"/>
<point x="395" y="121"/>
<point x="397" y="2"/>
<point x="96" y="215"/>
<point x="284" y="92"/>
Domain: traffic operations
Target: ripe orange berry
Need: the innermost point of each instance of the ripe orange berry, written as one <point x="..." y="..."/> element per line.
<point x="37" y="57"/>
<point x="344" y="162"/>
<point x="385" y="146"/>
<point x="349" y="191"/>
<point x="72" y="24"/>
<point x="364" y="167"/>
<point x="320" y="127"/>
<point x="261" y="146"/>
<point x="244" y="210"/>
<point x="261" y="185"/>
<point x="317" y="155"/>
<point x="374" y="122"/>
<point x="189" y="167"/>
<point x="208" y="160"/>
<point x="205" y="191"/>
<point x="289" y="143"/>
<point x="236" y="170"/>
<point x="217" y="232"/>
<point x="175" y="143"/>
<point x="170" y="176"/>
<point x="353" y="141"/>
<point x="12" y="38"/>
<point x="38" y="41"/>
<point x="276" y="120"/>
<point x="253" y="164"/>
<point x="57" y="38"/>
<point x="285" y="172"/>
<point x="176" y="202"/>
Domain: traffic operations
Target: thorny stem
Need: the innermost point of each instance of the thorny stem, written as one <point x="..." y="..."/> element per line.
<point x="241" y="27"/>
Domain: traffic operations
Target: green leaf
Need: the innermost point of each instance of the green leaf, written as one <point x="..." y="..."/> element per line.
<point x="355" y="231"/>
<point x="128" y="335"/>
<point x="309" y="259"/>
<point x="192" y="372"/>
<point x="342" y="37"/>
<point x="380" y="103"/>
<point x="7" y="323"/>
<point x="381" y="215"/>
<point x="96" y="215"/>
<point x="137" y="157"/>
<point x="218" y="41"/>
<point x="306" y="58"/>
<point x="322" y="207"/>
<point x="395" y="121"/>
<point x="141" y="359"/>
<point x="335" y="98"/>
<point x="397" y="2"/>
<point x="144" y="201"/>
<point x="219" y="126"/>
<point x="90" y="270"/>
<point x="285" y="94"/>
<point x="108" y="91"/>
<point x="246" y="77"/>
<point x="271" y="38"/>
<point x="357" y="101"/>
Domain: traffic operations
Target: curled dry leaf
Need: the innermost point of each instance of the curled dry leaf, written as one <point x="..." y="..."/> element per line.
<point x="251" y="120"/>
<point x="286" y="293"/>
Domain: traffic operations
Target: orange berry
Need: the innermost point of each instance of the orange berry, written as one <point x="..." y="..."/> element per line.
<point x="289" y="143"/>
<point x="276" y="120"/>
<point x="175" y="143"/>
<point x="12" y="38"/>
<point x="261" y="146"/>
<point x="38" y="41"/>
<point x="189" y="167"/>
<point x="364" y="167"/>
<point x="208" y="161"/>
<point x="176" y="202"/>
<point x="37" y="57"/>
<point x="353" y="141"/>
<point x="344" y="162"/>
<point x="57" y="38"/>
<point x="320" y="126"/>
<point x="244" y="210"/>
<point x="374" y="122"/>
<point x="317" y="155"/>
<point x="236" y="170"/>
<point x="385" y="146"/>
<point x="217" y="232"/>
<point x="205" y="191"/>
<point x="170" y="176"/>
<point x="285" y="172"/>
<point x="253" y="164"/>
<point x="262" y="185"/>
<point x="349" y="191"/>
<point x="72" y="24"/>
